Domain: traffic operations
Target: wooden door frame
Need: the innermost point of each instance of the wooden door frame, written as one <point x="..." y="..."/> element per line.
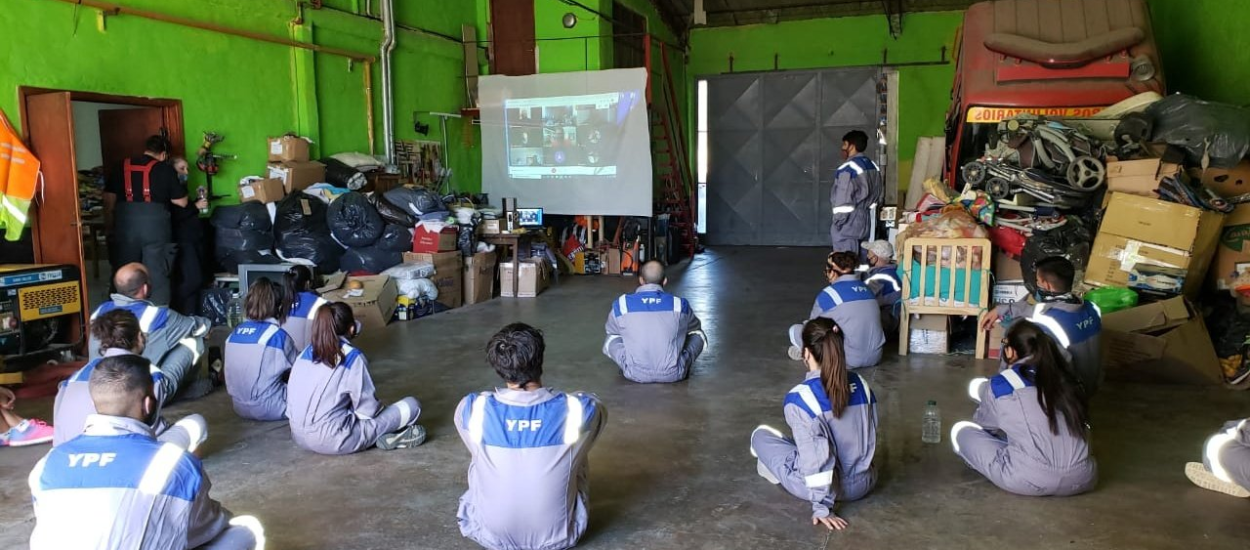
<point x="171" y="109"/>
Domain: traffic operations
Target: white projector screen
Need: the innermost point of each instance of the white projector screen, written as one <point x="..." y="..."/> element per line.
<point x="570" y="143"/>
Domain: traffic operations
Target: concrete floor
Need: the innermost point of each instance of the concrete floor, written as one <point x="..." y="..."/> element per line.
<point x="672" y="468"/>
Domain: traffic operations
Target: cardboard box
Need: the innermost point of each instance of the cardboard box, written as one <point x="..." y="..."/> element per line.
<point x="929" y="334"/>
<point x="1138" y="177"/>
<point x="373" y="307"/>
<point x="490" y="227"/>
<point x="262" y="191"/>
<point x="1160" y="342"/>
<point x="1232" y="258"/>
<point x="1155" y="234"/>
<point x="296" y="175"/>
<point x="479" y="278"/>
<point x="288" y="148"/>
<point x="431" y="237"/>
<point x="535" y="277"/>
<point x="1007" y="268"/>
<point x="448" y="275"/>
<point x="1225" y="182"/>
<point x="612" y="262"/>
<point x="1006" y="292"/>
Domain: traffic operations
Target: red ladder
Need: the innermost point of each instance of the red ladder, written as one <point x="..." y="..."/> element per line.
<point x="673" y="177"/>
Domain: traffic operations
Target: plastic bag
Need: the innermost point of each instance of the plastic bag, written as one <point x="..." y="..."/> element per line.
<point x="953" y="223"/>
<point x="297" y="212"/>
<point x="1071" y="240"/>
<point x="342" y="175"/>
<point x="416" y="288"/>
<point x="395" y="238"/>
<point x="243" y="239"/>
<point x="466" y="240"/>
<point x="302" y="234"/>
<point x="354" y="221"/>
<point x="391" y="213"/>
<point x="251" y="216"/>
<point x="416" y="201"/>
<point x="405" y="271"/>
<point x="369" y="259"/>
<point x="1218" y="131"/>
<point x="1112" y="298"/>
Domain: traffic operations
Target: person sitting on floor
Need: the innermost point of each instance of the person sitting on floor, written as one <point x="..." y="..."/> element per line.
<point x="173" y="342"/>
<point x="259" y="355"/>
<point x="883" y="280"/>
<point x="850" y="304"/>
<point x="1040" y="409"/>
<point x="330" y="396"/>
<point x="301" y="305"/>
<point x="1075" y="324"/>
<point x="1225" y="465"/>
<point x="529" y="475"/>
<point x="16" y="431"/>
<point x="653" y="336"/>
<point x="833" y="416"/>
<point x="116" y="486"/>
<point x="118" y="333"/>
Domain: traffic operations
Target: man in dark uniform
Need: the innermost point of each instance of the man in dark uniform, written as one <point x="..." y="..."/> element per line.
<point x="137" y="200"/>
<point x="188" y="233"/>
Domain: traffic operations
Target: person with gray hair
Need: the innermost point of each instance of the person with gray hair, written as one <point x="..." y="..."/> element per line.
<point x="653" y="336"/>
<point x="156" y="493"/>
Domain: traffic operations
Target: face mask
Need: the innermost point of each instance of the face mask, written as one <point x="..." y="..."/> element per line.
<point x="182" y="178"/>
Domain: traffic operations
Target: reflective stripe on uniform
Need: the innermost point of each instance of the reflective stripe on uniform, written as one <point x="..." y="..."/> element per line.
<point x="148" y="317"/>
<point x="805" y="393"/>
<point x="676" y="304"/>
<point x="1214" y="446"/>
<point x="833" y="295"/>
<point x="853" y="166"/>
<point x="768" y="429"/>
<point x="156" y="476"/>
<point x="477" y="418"/>
<point x="958" y="427"/>
<point x="270" y="331"/>
<point x="843" y="209"/>
<point x="974" y="388"/>
<point x="573" y="422"/>
<point x="1013" y="378"/>
<point x="1039" y="317"/>
<point x="405" y="412"/>
<point x="886" y="278"/>
<point x="13" y="209"/>
<point x="622" y="305"/>
<point x="822" y="479"/>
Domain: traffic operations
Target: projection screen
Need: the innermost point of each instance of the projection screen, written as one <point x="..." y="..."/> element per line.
<point x="571" y="143"/>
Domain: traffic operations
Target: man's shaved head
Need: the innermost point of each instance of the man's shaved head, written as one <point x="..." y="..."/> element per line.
<point x="120" y="385"/>
<point x="652" y="273"/>
<point x="131" y="279"/>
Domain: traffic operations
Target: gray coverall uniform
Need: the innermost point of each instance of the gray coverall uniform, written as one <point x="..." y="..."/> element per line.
<point x="653" y="336"/>
<point x="856" y="196"/>
<point x="259" y="355"/>
<point x="830" y="458"/>
<point x="334" y="411"/>
<point x="1075" y="325"/>
<point x="174" y="341"/>
<point x="529" y="476"/>
<point x="1227" y="453"/>
<point x="1027" y="459"/>
<point x="850" y="303"/>
<point x="298" y="324"/>
<point x="117" y="487"/>
<point x="73" y="405"/>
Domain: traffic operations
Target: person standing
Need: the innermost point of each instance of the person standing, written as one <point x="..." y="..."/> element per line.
<point x="137" y="201"/>
<point x="653" y="336"/>
<point x="188" y="234"/>
<point x="857" y="193"/>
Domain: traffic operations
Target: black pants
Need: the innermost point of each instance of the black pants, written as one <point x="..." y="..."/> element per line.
<point x="188" y="278"/>
<point x="141" y="233"/>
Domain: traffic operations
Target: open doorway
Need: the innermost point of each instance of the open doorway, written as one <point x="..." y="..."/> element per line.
<point x="80" y="138"/>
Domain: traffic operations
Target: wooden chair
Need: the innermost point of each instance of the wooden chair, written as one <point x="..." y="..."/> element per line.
<point x="936" y="282"/>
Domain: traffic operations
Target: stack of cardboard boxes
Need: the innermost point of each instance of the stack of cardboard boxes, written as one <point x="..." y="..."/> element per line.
<point x="290" y="168"/>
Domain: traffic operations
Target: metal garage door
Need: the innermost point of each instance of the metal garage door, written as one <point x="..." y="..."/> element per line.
<point x="773" y="147"/>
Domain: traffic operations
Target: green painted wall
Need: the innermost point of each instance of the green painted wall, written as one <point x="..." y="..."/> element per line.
<point x="924" y="91"/>
<point x="245" y="89"/>
<point x="1204" y="45"/>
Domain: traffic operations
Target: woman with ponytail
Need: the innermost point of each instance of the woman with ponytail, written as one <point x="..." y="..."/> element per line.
<point x="1030" y="433"/>
<point x="330" y="400"/>
<point x="300" y="305"/>
<point x="833" y="417"/>
<point x="259" y="355"/>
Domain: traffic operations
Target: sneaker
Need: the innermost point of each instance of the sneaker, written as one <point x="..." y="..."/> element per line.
<point x="1236" y="372"/>
<point x="765" y="473"/>
<point x="796" y="353"/>
<point x="406" y="438"/>
<point x="1202" y="477"/>
<point x="29" y="432"/>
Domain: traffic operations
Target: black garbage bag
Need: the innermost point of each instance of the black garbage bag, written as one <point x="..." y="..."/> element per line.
<point x="213" y="305"/>
<point x="466" y="239"/>
<point x="299" y="212"/>
<point x="395" y="238"/>
<point x="353" y="221"/>
<point x="342" y="175"/>
<point x="243" y="239"/>
<point x="370" y="259"/>
<point x="415" y="200"/>
<point x="252" y="216"/>
<point x="301" y="233"/>
<point x="1071" y="240"/>
<point x="1203" y="129"/>
<point x="391" y="213"/>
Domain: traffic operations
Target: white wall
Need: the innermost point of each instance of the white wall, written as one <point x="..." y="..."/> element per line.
<point x="87" y="132"/>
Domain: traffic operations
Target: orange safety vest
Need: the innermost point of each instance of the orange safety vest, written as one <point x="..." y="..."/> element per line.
<point x="19" y="173"/>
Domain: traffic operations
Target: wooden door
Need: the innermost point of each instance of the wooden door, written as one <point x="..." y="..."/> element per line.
<point x="123" y="132"/>
<point x="512" y="46"/>
<point x="55" y="224"/>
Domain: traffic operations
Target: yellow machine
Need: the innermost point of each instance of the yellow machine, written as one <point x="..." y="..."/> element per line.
<point x="40" y="313"/>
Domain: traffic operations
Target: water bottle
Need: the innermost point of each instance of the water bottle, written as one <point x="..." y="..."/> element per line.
<point x="234" y="311"/>
<point x="202" y="194"/>
<point x="931" y="425"/>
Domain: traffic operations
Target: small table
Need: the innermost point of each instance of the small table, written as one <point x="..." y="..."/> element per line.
<point x="514" y="241"/>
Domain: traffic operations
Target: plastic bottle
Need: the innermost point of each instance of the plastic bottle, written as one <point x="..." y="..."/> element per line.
<point x="931" y="424"/>
<point x="401" y="312"/>
<point x="234" y="311"/>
